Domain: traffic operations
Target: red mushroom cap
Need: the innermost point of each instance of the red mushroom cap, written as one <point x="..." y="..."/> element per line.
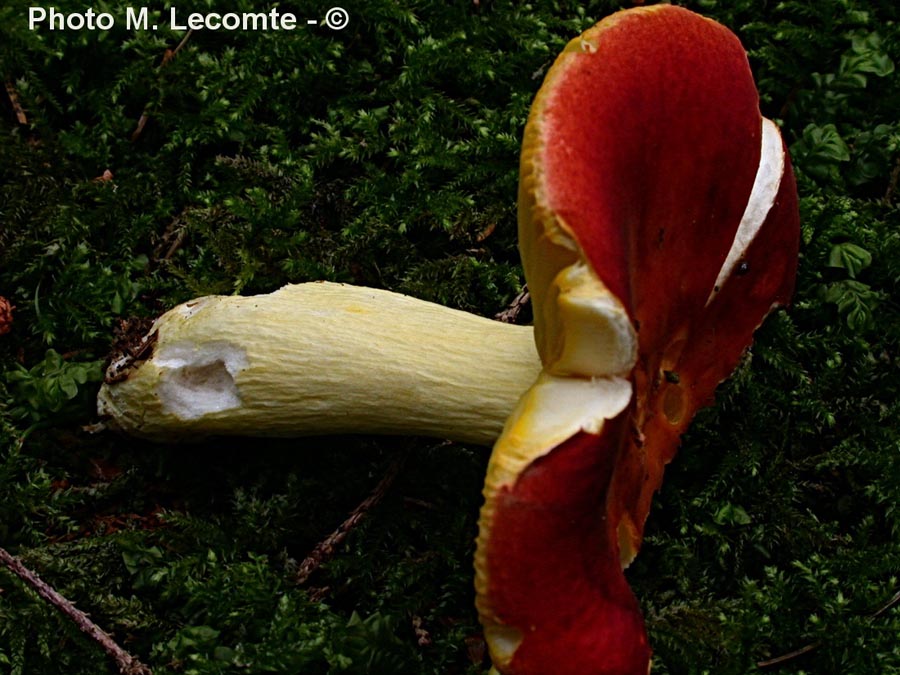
<point x="658" y="227"/>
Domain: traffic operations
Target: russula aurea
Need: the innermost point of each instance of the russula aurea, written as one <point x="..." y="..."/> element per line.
<point x="658" y="226"/>
<point x="319" y="358"/>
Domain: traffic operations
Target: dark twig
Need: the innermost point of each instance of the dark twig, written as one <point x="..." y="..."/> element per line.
<point x="886" y="606"/>
<point x="187" y="36"/>
<point x="325" y="549"/>
<point x="815" y="645"/>
<point x="179" y="240"/>
<point x="787" y="657"/>
<point x="420" y="503"/>
<point x="172" y="239"/>
<point x="127" y="664"/>
<point x="142" y="122"/>
<point x="167" y="57"/>
<point x="511" y="313"/>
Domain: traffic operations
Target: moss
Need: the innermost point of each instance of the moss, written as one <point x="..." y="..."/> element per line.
<point x="386" y="155"/>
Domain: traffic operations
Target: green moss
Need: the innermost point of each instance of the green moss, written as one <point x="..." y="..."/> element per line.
<point x="386" y="155"/>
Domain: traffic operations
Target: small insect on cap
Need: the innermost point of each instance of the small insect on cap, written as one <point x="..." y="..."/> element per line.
<point x="658" y="226"/>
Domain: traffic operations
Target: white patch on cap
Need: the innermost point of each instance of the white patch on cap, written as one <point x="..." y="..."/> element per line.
<point x="594" y="335"/>
<point x="762" y="198"/>
<point x="503" y="642"/>
<point x="552" y="411"/>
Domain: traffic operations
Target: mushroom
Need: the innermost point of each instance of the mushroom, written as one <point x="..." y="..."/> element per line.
<point x="658" y="226"/>
<point x="319" y="358"/>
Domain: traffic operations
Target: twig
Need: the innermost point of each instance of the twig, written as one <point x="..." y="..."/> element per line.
<point x="815" y="645"/>
<point x="17" y="106"/>
<point x="326" y="548"/>
<point x="167" y="57"/>
<point x="187" y="36"/>
<point x="172" y="238"/>
<point x="787" y="657"/>
<point x="179" y="240"/>
<point x="127" y="664"/>
<point x="511" y="313"/>
<point x="142" y="122"/>
<point x="421" y="503"/>
<point x="886" y="606"/>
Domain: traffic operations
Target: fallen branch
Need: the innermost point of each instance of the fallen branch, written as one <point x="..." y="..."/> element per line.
<point x="127" y="664"/>
<point x="325" y="549"/>
<point x="167" y="57"/>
